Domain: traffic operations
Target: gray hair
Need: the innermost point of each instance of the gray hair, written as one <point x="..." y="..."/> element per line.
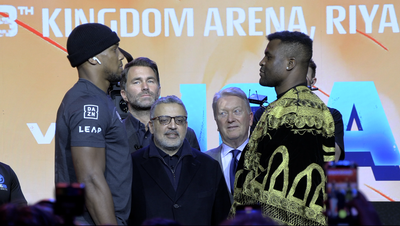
<point x="166" y="100"/>
<point x="231" y="91"/>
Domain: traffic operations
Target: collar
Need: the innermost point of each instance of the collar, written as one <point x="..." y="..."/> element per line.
<point x="184" y="150"/>
<point x="300" y="84"/>
<point x="226" y="149"/>
<point x="136" y="123"/>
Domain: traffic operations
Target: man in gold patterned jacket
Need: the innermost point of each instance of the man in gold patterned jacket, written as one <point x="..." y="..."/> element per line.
<point x="282" y="166"/>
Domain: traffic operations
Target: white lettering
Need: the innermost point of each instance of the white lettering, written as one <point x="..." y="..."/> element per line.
<point x="10" y="20"/>
<point x="68" y="21"/>
<point x="146" y="25"/>
<point x="87" y="129"/>
<point x="368" y="19"/>
<point x="80" y="17"/>
<point x="38" y="135"/>
<point x="135" y="22"/>
<point x="50" y="22"/>
<point x="297" y="10"/>
<point x="213" y="12"/>
<point x="393" y="19"/>
<point x="270" y="16"/>
<point x="330" y="21"/>
<point x="352" y="19"/>
<point x="253" y="21"/>
<point x="80" y="129"/>
<point x="186" y="13"/>
<point x="230" y="22"/>
<point x="100" y="17"/>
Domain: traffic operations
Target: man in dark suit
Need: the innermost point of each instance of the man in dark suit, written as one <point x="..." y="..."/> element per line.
<point x="172" y="180"/>
<point x="233" y="116"/>
<point x="140" y="87"/>
<point x="337" y="116"/>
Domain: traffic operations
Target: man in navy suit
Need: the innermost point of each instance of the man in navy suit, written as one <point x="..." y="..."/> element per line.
<point x="172" y="180"/>
<point x="234" y="117"/>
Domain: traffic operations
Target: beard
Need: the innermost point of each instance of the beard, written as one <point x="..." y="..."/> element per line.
<point x="142" y="105"/>
<point x="114" y="78"/>
<point x="168" y="145"/>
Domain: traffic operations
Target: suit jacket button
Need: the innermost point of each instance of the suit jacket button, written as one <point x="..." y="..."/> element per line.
<point x="176" y="206"/>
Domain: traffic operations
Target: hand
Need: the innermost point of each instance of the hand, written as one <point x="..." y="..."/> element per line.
<point x="367" y="214"/>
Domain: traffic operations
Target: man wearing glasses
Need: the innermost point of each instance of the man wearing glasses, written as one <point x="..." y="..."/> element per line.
<point x="140" y="87"/>
<point x="171" y="179"/>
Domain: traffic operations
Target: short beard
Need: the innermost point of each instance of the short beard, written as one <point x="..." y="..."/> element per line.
<point x="140" y="108"/>
<point x="113" y="78"/>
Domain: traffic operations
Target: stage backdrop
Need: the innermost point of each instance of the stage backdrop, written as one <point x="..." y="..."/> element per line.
<point x="201" y="47"/>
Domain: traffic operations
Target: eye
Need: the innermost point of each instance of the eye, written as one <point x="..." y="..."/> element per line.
<point x="150" y="81"/>
<point x="135" y="82"/>
<point x="237" y="112"/>
<point x="180" y="120"/>
<point x="164" y="119"/>
<point x="223" y="114"/>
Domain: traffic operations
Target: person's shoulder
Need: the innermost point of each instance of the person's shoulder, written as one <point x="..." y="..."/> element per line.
<point x="213" y="150"/>
<point x="139" y="153"/>
<point x="204" y="157"/>
<point x="4" y="166"/>
<point x="335" y="112"/>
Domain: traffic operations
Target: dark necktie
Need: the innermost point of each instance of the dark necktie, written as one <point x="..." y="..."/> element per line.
<point x="233" y="167"/>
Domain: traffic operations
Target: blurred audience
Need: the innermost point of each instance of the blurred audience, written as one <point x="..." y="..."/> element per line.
<point x="10" y="189"/>
<point x="160" y="221"/>
<point x="38" y="214"/>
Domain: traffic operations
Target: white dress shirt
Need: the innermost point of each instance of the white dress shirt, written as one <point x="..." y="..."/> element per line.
<point x="226" y="158"/>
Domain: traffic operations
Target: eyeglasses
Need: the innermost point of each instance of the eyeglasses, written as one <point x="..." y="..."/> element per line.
<point x="165" y="119"/>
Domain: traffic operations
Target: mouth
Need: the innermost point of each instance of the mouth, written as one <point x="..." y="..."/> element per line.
<point x="232" y="127"/>
<point x="172" y="135"/>
<point x="146" y="95"/>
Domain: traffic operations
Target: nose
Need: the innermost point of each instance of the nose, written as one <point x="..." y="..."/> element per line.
<point x="172" y="124"/>
<point x="145" y="86"/>
<point x="262" y="62"/>
<point x="230" y="117"/>
<point x="120" y="55"/>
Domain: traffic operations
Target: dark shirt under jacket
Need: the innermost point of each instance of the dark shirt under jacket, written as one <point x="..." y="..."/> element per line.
<point x="172" y="164"/>
<point x="339" y="132"/>
<point x="139" y="138"/>
<point x="200" y="197"/>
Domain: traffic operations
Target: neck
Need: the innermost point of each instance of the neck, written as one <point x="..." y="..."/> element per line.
<point x="235" y="143"/>
<point x="94" y="77"/>
<point x="142" y="115"/>
<point x="170" y="153"/>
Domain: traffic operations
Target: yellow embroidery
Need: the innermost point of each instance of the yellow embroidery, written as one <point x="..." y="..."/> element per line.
<point x="301" y="112"/>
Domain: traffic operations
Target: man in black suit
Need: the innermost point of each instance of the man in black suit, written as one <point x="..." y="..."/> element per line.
<point x="140" y="87"/>
<point x="172" y="180"/>
<point x="233" y="116"/>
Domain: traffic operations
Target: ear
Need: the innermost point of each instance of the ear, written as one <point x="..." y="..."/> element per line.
<point x="313" y="81"/>
<point x="123" y="95"/>
<point x="151" y="127"/>
<point x="291" y="64"/>
<point x="251" y="118"/>
<point x="159" y="92"/>
<point x="92" y="61"/>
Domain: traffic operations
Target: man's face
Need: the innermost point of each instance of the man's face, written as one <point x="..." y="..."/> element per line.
<point x="142" y="88"/>
<point x="272" y="65"/>
<point x="169" y="137"/>
<point x="111" y="60"/>
<point x="310" y="80"/>
<point x="233" y="120"/>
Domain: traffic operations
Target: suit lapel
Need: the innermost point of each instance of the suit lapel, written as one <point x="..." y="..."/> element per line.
<point x="190" y="166"/>
<point x="157" y="172"/>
